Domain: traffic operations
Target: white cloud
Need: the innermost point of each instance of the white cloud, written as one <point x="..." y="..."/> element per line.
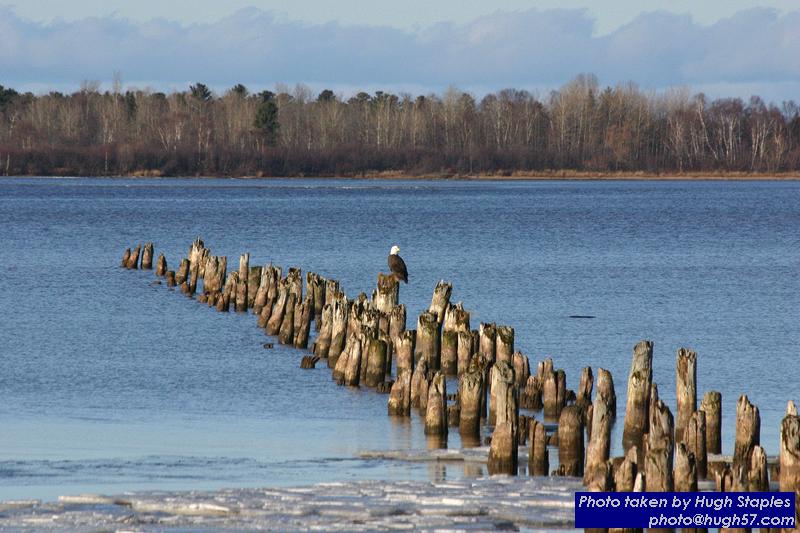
<point x="752" y="49"/>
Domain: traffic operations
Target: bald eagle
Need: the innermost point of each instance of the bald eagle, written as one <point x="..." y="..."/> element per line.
<point x="397" y="265"/>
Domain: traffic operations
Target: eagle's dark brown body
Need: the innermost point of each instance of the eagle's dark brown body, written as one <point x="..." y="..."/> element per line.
<point x="398" y="268"/>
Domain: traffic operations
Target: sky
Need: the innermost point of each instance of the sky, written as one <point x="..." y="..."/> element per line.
<point x="721" y="47"/>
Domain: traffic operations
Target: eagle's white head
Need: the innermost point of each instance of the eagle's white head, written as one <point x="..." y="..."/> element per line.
<point x="395" y="250"/>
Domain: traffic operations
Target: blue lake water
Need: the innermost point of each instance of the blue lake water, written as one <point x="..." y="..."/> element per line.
<point x="109" y="383"/>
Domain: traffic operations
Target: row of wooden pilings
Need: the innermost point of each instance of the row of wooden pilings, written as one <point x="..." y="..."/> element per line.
<point x="361" y="338"/>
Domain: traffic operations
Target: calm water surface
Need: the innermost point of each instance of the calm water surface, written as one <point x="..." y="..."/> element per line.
<point x="111" y="384"/>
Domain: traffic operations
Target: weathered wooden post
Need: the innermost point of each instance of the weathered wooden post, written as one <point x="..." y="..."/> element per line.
<point x="278" y="310"/>
<point x="386" y="294"/>
<point x="323" y="342"/>
<point x="253" y="283"/>
<point x="538" y="458"/>
<point x="686" y="390"/>
<point x="789" y="457"/>
<point x="404" y="351"/>
<point x="419" y="384"/>
<point x="695" y="440"/>
<point x="161" y="266"/>
<point x="427" y="346"/>
<point x="241" y="287"/>
<point x="339" y="311"/>
<point x="470" y="389"/>
<point x="263" y="289"/>
<point x="449" y="352"/>
<point x="748" y="432"/>
<point x="685" y="470"/>
<point x="758" y="475"/>
<point x="440" y="300"/>
<point x="397" y="322"/>
<point x="599" y="447"/>
<point x="712" y="407"/>
<point x="436" y="413"/>
<point x="570" y="441"/>
<point x="503" y="453"/>
<point x="659" y="450"/>
<point x="530" y="396"/>
<point x="302" y="322"/>
<point x="638" y="403"/>
<point x="583" y="398"/>
<point x="147" y="256"/>
<point x="286" y="331"/>
<point x="465" y="351"/>
<point x="400" y="395"/>
<point x="315" y="287"/>
<point x="170" y="277"/>
<point x="125" y="258"/>
<point x="627" y="472"/>
<point x="504" y="348"/>
<point x="352" y="373"/>
<point x="487" y="340"/>
<point x="133" y="258"/>
<point x="522" y="368"/>
<point x="605" y="388"/>
<point x="183" y="272"/>
<point x="376" y="362"/>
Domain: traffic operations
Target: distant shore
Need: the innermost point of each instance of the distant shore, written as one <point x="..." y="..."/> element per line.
<point x="556" y="175"/>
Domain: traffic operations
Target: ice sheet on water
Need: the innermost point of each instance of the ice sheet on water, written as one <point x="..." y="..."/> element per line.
<point x="478" y="504"/>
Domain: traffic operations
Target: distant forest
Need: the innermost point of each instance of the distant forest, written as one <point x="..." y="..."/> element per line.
<point x="580" y="127"/>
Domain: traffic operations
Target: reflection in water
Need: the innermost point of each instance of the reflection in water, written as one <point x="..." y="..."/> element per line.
<point x="436" y="442"/>
<point x="473" y="469"/>
<point x="437" y="472"/>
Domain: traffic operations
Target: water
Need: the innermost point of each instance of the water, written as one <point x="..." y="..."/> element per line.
<point x="110" y="384"/>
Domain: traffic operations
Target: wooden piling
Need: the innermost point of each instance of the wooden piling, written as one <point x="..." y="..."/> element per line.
<point x="570" y="441"/>
<point x="503" y="453"/>
<point x="436" y="413"/>
<point x="686" y="390"/>
<point x="427" y="346"/>
<point x="504" y="347"/>
<point x="302" y="322"/>
<point x="685" y="470"/>
<point x="470" y="389"/>
<point x="638" y="402"/>
<point x="397" y="322"/>
<point x="695" y="440"/>
<point x="440" y="300"/>
<point x="133" y="258"/>
<point x="659" y="450"/>
<point x="712" y="407"/>
<point x="376" y="362"/>
<point x="522" y="368"/>
<point x="748" y="432"/>
<point x="530" y="396"/>
<point x="627" y="472"/>
<point x="286" y="331"/>
<point x="147" y="256"/>
<point x="487" y="340"/>
<point x="400" y="395"/>
<point x="465" y="351"/>
<point x="339" y="311"/>
<point x="183" y="272"/>
<point x="323" y="343"/>
<point x="449" y="352"/>
<point x="241" y="287"/>
<point x="352" y="373"/>
<point x="789" y="457"/>
<point x="538" y="457"/>
<point x="605" y="388"/>
<point x="584" y="395"/>
<point x="419" y="384"/>
<point x="386" y="294"/>
<point x="278" y="310"/>
<point x="170" y="277"/>
<point x="125" y="258"/>
<point x="599" y="447"/>
<point x="161" y="266"/>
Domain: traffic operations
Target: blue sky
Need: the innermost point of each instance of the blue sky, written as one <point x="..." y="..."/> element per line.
<point x="731" y="47"/>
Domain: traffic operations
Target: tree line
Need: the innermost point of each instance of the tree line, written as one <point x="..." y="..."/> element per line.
<point x="291" y="132"/>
